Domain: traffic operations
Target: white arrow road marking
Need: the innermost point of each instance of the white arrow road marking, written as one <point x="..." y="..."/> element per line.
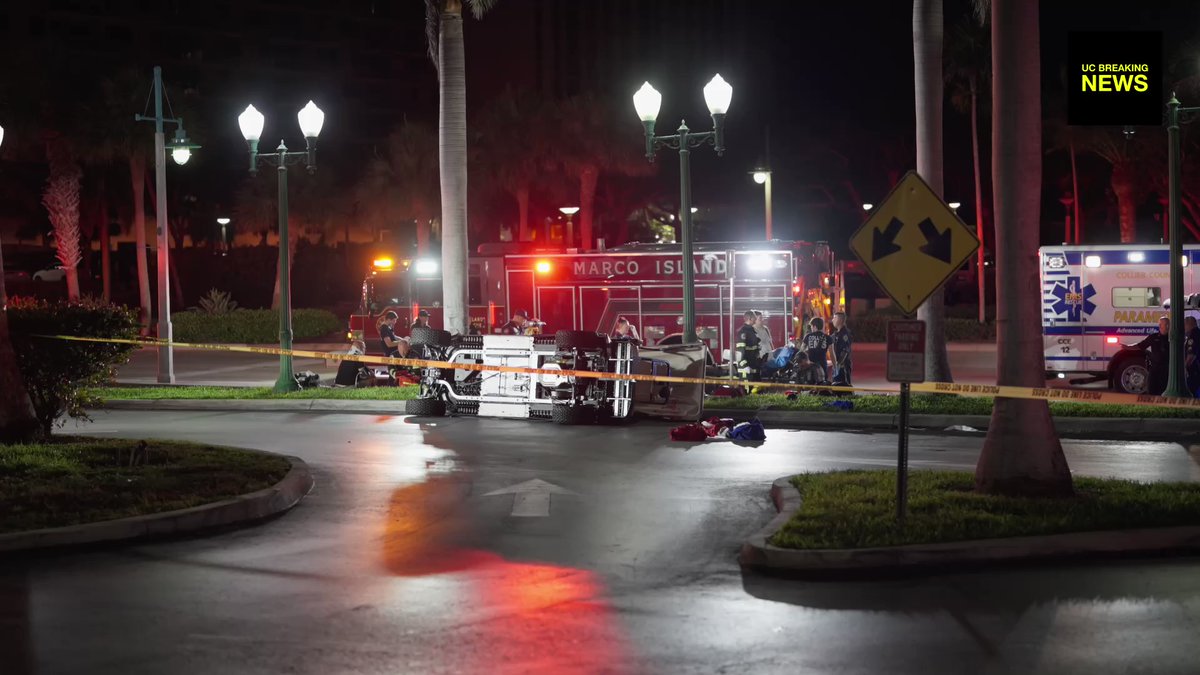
<point x="531" y="499"/>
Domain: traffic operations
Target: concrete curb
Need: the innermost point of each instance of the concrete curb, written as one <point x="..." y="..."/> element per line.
<point x="315" y="405"/>
<point x="239" y="510"/>
<point x="756" y="552"/>
<point x="1075" y="427"/>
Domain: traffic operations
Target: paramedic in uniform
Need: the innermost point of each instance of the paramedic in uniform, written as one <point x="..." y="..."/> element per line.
<point x="748" y="345"/>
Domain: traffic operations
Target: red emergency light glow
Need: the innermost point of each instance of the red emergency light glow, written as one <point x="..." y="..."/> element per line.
<point x="795" y="289"/>
<point x="1111" y="340"/>
<point x="543" y="266"/>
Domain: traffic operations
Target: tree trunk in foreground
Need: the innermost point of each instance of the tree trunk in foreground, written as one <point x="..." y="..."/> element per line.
<point x="927" y="59"/>
<point x="1021" y="455"/>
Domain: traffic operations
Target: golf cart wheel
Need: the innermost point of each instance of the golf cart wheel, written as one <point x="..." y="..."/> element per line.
<point x="573" y="415"/>
<point x="429" y="336"/>
<point x="579" y="339"/>
<point x="425" y="407"/>
<point x="1132" y="377"/>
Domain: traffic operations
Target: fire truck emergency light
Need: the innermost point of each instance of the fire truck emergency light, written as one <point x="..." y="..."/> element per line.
<point x="543" y="266"/>
<point x="383" y="263"/>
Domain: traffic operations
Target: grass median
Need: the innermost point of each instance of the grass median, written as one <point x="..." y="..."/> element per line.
<point x="76" y="480"/>
<point x="938" y="404"/>
<point x="252" y="393"/>
<point x="857" y="509"/>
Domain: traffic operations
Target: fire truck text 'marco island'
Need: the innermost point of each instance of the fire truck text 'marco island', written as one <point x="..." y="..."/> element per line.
<point x="788" y="281"/>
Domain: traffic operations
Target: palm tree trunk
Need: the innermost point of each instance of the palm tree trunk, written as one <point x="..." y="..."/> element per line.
<point x="17" y="420"/>
<point x="927" y="58"/>
<point x="1022" y="454"/>
<point x="137" y="171"/>
<point x="1122" y="187"/>
<point x="1075" y="194"/>
<point x="587" y="206"/>
<point x="452" y="155"/>
<point x="523" y="214"/>
<point x="980" y="270"/>
<point x="105" y="246"/>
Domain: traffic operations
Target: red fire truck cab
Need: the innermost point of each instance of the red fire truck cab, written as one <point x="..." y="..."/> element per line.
<point x="568" y="290"/>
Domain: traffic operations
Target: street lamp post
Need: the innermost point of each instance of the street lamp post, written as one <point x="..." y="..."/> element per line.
<point x="763" y="178"/>
<point x="569" y="212"/>
<point x="647" y="101"/>
<point x="251" y="122"/>
<point x="224" y="223"/>
<point x="1175" y="379"/>
<point x="181" y="152"/>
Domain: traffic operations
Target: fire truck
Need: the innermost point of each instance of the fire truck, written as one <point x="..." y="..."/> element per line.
<point x="789" y="281"/>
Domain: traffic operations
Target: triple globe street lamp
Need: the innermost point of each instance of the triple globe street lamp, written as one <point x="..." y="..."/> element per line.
<point x="647" y="101"/>
<point x="251" y="122"/>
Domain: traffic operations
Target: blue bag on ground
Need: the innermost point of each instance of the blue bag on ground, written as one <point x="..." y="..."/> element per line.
<point x="749" y="431"/>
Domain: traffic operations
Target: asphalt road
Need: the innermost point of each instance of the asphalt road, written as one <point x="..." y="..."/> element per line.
<point x="970" y="363"/>
<point x="402" y="561"/>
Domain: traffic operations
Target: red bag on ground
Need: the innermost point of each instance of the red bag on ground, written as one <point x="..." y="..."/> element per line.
<point x="689" y="432"/>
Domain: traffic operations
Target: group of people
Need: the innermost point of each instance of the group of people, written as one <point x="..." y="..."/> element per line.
<point x="817" y="349"/>
<point x="1157" y="347"/>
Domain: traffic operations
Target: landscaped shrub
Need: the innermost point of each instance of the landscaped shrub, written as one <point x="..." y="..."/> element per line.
<point x="58" y="373"/>
<point x="252" y="326"/>
<point x="873" y="328"/>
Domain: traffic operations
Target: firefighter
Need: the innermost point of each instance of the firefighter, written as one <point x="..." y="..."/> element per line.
<point x="842" y="341"/>
<point x="749" y="346"/>
<point x="422" y="319"/>
<point x="516" y="325"/>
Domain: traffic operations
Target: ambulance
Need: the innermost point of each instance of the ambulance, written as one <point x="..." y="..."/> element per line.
<point x="1098" y="302"/>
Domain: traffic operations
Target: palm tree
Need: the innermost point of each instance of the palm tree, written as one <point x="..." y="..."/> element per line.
<point x="1128" y="157"/>
<point x="593" y="145"/>
<point x="114" y="136"/>
<point x="444" y="33"/>
<point x="400" y="183"/>
<point x="968" y="71"/>
<point x="927" y="60"/>
<point x="1022" y="454"/>
<point x="61" y="199"/>
<point x="513" y="148"/>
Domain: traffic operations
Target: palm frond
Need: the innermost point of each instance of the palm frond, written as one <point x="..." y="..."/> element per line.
<point x="481" y="7"/>
<point x="433" y="25"/>
<point x="982" y="10"/>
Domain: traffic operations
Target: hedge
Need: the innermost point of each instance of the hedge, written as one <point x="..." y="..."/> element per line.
<point x="873" y="328"/>
<point x="58" y="374"/>
<point x="252" y="326"/>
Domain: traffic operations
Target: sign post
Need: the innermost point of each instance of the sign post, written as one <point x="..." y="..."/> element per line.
<point x="905" y="364"/>
<point x="912" y="244"/>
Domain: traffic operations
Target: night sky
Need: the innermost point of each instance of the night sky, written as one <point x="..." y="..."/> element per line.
<point x="831" y="81"/>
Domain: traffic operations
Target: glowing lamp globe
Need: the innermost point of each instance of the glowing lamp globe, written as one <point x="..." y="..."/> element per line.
<point x="647" y="102"/>
<point x="311" y="120"/>
<point x="717" y="94"/>
<point x="251" y="122"/>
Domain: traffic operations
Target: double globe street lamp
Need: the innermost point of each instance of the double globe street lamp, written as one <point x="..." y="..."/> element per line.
<point x="251" y="122"/>
<point x="647" y="101"/>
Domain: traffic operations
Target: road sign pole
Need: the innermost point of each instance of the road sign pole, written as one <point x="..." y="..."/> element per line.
<point x="902" y="457"/>
<point x="905" y="364"/>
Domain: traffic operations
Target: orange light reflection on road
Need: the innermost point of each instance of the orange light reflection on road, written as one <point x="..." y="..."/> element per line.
<point x="527" y="618"/>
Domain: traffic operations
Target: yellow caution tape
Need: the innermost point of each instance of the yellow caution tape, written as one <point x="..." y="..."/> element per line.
<point x="973" y="390"/>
